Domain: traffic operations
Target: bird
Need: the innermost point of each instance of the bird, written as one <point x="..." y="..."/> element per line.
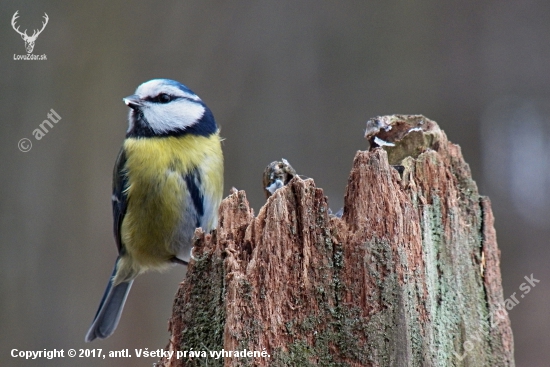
<point x="167" y="181"/>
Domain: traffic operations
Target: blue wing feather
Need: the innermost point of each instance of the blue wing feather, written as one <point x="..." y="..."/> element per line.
<point x="119" y="198"/>
<point x="193" y="181"/>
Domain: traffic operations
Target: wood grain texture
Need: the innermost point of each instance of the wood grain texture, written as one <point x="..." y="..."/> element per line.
<point x="408" y="276"/>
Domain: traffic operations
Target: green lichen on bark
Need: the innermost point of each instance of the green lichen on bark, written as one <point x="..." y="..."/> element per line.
<point x="408" y="276"/>
<point x="203" y="312"/>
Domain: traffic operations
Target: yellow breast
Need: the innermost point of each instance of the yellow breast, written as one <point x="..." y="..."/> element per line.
<point x="157" y="194"/>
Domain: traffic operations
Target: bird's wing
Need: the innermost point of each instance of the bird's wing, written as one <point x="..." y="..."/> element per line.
<point x="119" y="198"/>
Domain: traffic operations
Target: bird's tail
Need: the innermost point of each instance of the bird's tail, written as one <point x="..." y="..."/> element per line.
<point x="110" y="309"/>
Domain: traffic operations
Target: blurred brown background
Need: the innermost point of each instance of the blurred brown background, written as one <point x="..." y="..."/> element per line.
<point x="292" y="79"/>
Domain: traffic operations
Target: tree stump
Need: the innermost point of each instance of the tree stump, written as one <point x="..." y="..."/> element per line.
<point x="408" y="276"/>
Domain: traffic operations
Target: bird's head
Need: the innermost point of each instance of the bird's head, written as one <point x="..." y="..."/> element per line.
<point x="164" y="107"/>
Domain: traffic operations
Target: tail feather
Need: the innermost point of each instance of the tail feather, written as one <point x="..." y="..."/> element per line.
<point x="110" y="309"/>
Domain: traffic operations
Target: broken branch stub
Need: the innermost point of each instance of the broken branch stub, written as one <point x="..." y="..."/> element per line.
<point x="409" y="276"/>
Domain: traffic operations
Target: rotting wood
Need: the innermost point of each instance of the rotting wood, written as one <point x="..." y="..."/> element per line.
<point x="409" y="276"/>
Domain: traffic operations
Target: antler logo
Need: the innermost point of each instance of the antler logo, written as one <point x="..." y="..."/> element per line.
<point x="29" y="40"/>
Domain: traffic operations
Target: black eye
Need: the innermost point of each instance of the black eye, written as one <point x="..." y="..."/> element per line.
<point x="163" y="98"/>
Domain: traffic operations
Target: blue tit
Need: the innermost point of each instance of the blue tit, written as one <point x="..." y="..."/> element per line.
<point x="167" y="181"/>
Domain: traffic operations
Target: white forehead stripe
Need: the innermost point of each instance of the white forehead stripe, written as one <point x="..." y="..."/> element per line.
<point x="154" y="87"/>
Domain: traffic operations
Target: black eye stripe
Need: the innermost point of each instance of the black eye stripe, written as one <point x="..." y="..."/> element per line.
<point x="157" y="98"/>
<point x="161" y="98"/>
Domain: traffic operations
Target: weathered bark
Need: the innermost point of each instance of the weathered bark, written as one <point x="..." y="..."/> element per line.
<point x="408" y="276"/>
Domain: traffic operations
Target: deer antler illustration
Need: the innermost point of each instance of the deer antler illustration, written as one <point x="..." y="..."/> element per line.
<point x="29" y="40"/>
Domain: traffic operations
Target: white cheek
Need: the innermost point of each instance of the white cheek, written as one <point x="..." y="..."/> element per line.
<point x="180" y="114"/>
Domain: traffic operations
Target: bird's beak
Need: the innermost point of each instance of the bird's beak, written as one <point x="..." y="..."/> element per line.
<point x="133" y="101"/>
